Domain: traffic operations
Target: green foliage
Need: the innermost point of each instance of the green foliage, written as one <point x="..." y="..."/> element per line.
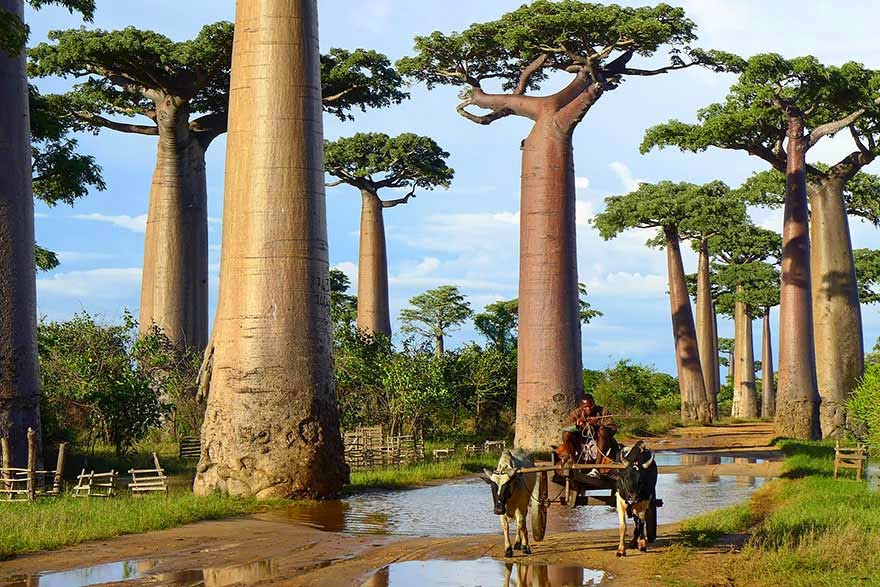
<point x="586" y="312"/>
<point x="436" y="312"/>
<point x="683" y="209"/>
<point x="414" y="385"/>
<point x="358" y="79"/>
<point x="867" y="262"/>
<point x="374" y="160"/>
<point x="46" y="259"/>
<point x="706" y="529"/>
<point x="498" y="323"/>
<point x="92" y="384"/>
<point x="740" y="268"/>
<point x="343" y="306"/>
<point x="360" y="360"/>
<point x="14" y="32"/>
<point x="863" y="408"/>
<point x="53" y="524"/>
<point x="629" y="388"/>
<point x="567" y="32"/>
<point x="485" y="385"/>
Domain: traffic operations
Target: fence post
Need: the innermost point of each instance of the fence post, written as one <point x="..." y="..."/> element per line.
<point x="59" y="469"/>
<point x="5" y="461"/>
<point x="32" y="464"/>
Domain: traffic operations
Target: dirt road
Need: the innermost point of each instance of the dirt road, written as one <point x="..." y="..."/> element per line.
<point x="271" y="552"/>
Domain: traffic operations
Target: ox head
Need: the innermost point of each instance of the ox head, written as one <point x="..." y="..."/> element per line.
<point x="632" y="484"/>
<point x="502" y="484"/>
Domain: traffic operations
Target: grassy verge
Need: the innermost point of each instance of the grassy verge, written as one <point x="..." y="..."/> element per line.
<point x="804" y="530"/>
<point x="402" y="477"/>
<point x="648" y="425"/>
<point x="51" y="524"/>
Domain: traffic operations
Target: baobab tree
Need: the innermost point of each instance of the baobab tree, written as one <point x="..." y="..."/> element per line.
<point x="673" y="208"/>
<point x="372" y="162"/>
<point x="20" y="388"/>
<point x="180" y="90"/>
<point x="595" y="44"/>
<point x="435" y="313"/>
<point x="271" y="426"/>
<point x="802" y="101"/>
<point x="739" y="252"/>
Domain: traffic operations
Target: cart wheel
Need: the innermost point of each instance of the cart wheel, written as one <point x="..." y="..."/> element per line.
<point x="539" y="507"/>
<point x="651" y="520"/>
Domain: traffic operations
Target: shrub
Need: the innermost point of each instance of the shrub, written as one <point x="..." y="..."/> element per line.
<point x="863" y="408"/>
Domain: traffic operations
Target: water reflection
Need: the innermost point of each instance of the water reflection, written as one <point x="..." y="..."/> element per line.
<point x="127" y="570"/>
<point x="468" y="502"/>
<point x="484" y="572"/>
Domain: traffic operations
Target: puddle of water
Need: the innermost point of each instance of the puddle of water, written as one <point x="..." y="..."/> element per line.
<point x="132" y="569"/>
<point x="672" y="459"/>
<point x="415" y="512"/>
<point x="484" y="572"/>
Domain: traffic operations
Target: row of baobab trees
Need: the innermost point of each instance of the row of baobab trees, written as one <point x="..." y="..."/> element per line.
<point x="271" y="427"/>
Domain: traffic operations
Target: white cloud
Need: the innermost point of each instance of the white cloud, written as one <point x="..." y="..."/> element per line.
<point x="581" y="183"/>
<point x="625" y="175"/>
<point x="630" y="285"/>
<point x="74" y="256"/>
<point x="40" y="215"/>
<point x="133" y="223"/>
<point x="351" y="271"/>
<point x="106" y="283"/>
<point x="583" y="212"/>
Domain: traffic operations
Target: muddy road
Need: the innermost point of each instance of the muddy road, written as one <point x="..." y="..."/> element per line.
<point x="365" y="542"/>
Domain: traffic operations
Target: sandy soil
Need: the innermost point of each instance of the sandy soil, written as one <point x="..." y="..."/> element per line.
<point x="236" y="551"/>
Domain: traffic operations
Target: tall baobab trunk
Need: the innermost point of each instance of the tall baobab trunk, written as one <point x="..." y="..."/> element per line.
<point x="694" y="406"/>
<point x="837" y="316"/>
<point x="797" y="403"/>
<point x="745" y="400"/>
<point x="768" y="387"/>
<point x="706" y="329"/>
<point x="717" y="353"/>
<point x="174" y="286"/>
<point x="549" y="322"/>
<point x="20" y="388"/>
<point x="372" y="307"/>
<point x="272" y="426"/>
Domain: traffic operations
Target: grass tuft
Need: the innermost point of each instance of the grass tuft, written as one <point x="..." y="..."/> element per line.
<point x="409" y="476"/>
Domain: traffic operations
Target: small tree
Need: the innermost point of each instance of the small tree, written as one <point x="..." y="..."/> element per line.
<point x="415" y="386"/>
<point x="498" y="323"/>
<point x="863" y="408"/>
<point x="867" y="263"/>
<point x="436" y="313"/>
<point x="343" y="306"/>
<point x="372" y="162"/>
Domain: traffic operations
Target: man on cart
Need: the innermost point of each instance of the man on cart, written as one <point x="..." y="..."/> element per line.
<point x="588" y="435"/>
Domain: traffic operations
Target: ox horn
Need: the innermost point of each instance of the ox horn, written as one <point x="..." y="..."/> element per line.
<point x="647" y="463"/>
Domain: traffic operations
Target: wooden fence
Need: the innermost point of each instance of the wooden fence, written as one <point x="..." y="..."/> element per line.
<point x="369" y="447"/>
<point x="28" y="484"/>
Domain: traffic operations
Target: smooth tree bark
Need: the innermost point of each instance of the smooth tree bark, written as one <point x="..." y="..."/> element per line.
<point x="837" y="316"/>
<point x="373" y="314"/>
<point x="20" y="388"/>
<point x="797" y="402"/>
<point x="271" y="427"/>
<point x="706" y="336"/>
<point x="694" y="403"/>
<point x="768" y="385"/>
<point x="745" y="399"/>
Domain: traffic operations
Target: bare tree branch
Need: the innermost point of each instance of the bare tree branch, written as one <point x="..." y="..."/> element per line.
<point x="398" y="201"/>
<point x="336" y="97"/>
<point x="858" y="141"/>
<point x="118" y="126"/>
<point x="333" y="184"/>
<point x="832" y="127"/>
<point x="528" y="72"/>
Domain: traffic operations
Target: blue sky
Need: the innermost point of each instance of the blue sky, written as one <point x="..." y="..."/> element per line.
<point x="467" y="235"/>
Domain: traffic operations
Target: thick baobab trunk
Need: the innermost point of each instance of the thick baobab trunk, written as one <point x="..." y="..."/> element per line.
<point x="768" y="386"/>
<point x="706" y="329"/>
<point x="797" y="402"/>
<point x="174" y="286"/>
<point x="272" y="426"/>
<point x="837" y="316"/>
<point x="745" y="399"/>
<point x="549" y="370"/>
<point x="20" y="388"/>
<point x="716" y="352"/>
<point x="372" y="307"/>
<point x="694" y="407"/>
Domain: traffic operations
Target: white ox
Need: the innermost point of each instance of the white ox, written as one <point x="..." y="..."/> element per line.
<point x="511" y="496"/>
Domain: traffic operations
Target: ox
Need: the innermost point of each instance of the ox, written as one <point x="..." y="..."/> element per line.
<point x="636" y="486"/>
<point x="511" y="494"/>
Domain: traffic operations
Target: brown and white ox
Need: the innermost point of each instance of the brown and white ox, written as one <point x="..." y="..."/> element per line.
<point x="636" y="486"/>
<point x="511" y="496"/>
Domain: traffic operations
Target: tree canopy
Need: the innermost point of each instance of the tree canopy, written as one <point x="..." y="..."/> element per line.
<point x="373" y="161"/>
<point x="523" y="47"/>
<point x="498" y="322"/>
<point x="436" y="312"/>
<point x="131" y="72"/>
<point x="691" y="210"/>
<point x="752" y="117"/>
<point x="14" y="32"/>
<point x="867" y="263"/>
<point x="740" y="271"/>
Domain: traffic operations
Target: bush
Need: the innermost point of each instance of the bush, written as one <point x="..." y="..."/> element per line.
<point x="863" y="408"/>
<point x="628" y="388"/>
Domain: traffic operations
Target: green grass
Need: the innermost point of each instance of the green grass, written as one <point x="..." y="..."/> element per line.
<point x="806" y="529"/>
<point x="409" y="476"/>
<point x="53" y="523"/>
<point x="101" y="458"/>
<point x="648" y="425"/>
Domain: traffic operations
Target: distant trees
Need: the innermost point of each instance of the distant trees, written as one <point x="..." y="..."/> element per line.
<point x="372" y="162"/>
<point x="498" y="323"/>
<point x="435" y="313"/>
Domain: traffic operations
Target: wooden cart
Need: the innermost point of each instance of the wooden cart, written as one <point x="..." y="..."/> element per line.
<point x="570" y="486"/>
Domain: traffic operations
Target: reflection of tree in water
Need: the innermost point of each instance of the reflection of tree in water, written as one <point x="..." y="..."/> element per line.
<point x="520" y="575"/>
<point x="243" y="574"/>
